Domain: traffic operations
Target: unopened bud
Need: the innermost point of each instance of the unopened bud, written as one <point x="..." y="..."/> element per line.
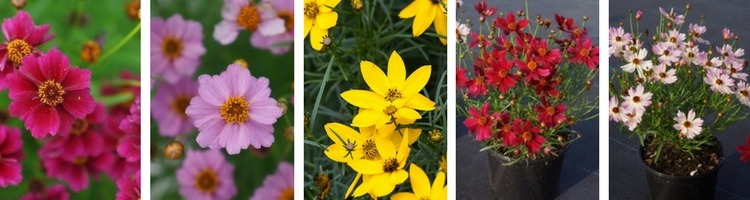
<point x="436" y="136"/>
<point x="688" y="6"/>
<point x="357" y="5"/>
<point x="174" y="150"/>
<point x="289" y="133"/>
<point x="18" y="4"/>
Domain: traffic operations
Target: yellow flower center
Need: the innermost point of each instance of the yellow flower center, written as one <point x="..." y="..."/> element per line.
<point x="390" y="110"/>
<point x="206" y="181"/>
<point x="287" y="194"/>
<point x="180" y="104"/>
<point x="390" y="165"/>
<point x="585" y="52"/>
<point x="174" y="150"/>
<point x="50" y="92"/>
<point x="531" y="65"/>
<point x="172" y="47"/>
<point x="526" y="136"/>
<point x="550" y="111"/>
<point x="235" y="110"/>
<point x="17" y="49"/>
<point x="79" y="126"/>
<point x="392" y="95"/>
<point x="311" y="10"/>
<point x="371" y="151"/>
<point x="288" y="18"/>
<point x="482" y="121"/>
<point x="80" y="160"/>
<point x="542" y="51"/>
<point x="249" y="17"/>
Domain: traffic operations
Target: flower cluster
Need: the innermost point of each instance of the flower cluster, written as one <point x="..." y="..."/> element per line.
<point x="81" y="137"/>
<point x="379" y="151"/>
<point x="523" y="91"/>
<point x="205" y="105"/>
<point x="677" y="86"/>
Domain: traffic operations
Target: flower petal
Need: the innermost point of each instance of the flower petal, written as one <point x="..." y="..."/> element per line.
<point x="423" y="20"/>
<point x="416" y="80"/>
<point x="420" y="102"/>
<point x="225" y="32"/>
<point x="374" y="77"/>
<point x="363" y="98"/>
<point x="396" y="70"/>
<point x="367" y="167"/>
<point x="338" y="130"/>
<point x="326" y="20"/>
<point x="420" y="184"/>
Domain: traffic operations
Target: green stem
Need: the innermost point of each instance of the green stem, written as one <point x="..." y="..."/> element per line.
<point x="119" y="44"/>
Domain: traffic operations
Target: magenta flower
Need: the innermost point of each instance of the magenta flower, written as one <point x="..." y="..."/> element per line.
<point x="176" y="47"/>
<point x="129" y="187"/>
<point x="279" y="185"/>
<point x="76" y="171"/>
<point x="22" y="37"/>
<point x="49" y="95"/>
<point x="169" y="106"/>
<point x="285" y="11"/>
<point x="206" y="175"/>
<point x="56" y="192"/>
<point x="11" y="154"/>
<point x="243" y="14"/>
<point x="83" y="139"/>
<point x="130" y="144"/>
<point x="234" y="110"/>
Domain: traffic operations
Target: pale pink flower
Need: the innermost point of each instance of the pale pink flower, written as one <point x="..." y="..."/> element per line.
<point x="690" y="126"/>
<point x="637" y="100"/>
<point x="663" y="75"/>
<point x="719" y="81"/>
<point x="637" y="63"/>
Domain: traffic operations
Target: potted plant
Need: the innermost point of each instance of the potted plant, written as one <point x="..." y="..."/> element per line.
<point x="523" y="85"/>
<point x="674" y="91"/>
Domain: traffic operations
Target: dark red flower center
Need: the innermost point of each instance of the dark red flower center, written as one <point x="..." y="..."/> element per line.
<point x="17" y="49"/>
<point x="686" y="124"/>
<point x="392" y="95"/>
<point x="636" y="99"/>
<point x="206" y="181"/>
<point x="235" y="110"/>
<point x="719" y="82"/>
<point x="526" y="136"/>
<point x="180" y="104"/>
<point x="616" y="109"/>
<point x="732" y="70"/>
<point x="636" y="61"/>
<point x="390" y="165"/>
<point x="370" y="150"/>
<point x="663" y="75"/>
<point x="311" y="10"/>
<point x="80" y="160"/>
<point x="666" y="52"/>
<point x="249" y="17"/>
<point x="79" y="126"/>
<point x="50" y="92"/>
<point x="709" y="64"/>
<point x="744" y="93"/>
<point x="172" y="47"/>
<point x="618" y="38"/>
<point x="673" y="39"/>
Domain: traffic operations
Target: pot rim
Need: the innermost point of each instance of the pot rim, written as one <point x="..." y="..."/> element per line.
<point x="530" y="161"/>
<point x="714" y="171"/>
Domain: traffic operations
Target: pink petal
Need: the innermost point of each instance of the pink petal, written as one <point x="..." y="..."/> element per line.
<point x="226" y="32"/>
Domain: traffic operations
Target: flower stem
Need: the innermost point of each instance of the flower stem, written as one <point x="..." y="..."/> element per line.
<point x="119" y="44"/>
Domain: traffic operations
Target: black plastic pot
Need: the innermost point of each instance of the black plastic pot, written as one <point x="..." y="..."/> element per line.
<point x="528" y="180"/>
<point x="664" y="186"/>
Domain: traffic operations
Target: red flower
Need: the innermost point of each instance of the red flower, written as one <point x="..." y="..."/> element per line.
<point x="500" y="74"/>
<point x="541" y="53"/>
<point x="505" y="45"/>
<point x="461" y="79"/>
<point x="478" y="40"/>
<point x="533" y="70"/>
<point x="745" y="151"/>
<point x="481" y="8"/>
<point x="505" y="127"/>
<point x="481" y="122"/>
<point x="477" y="86"/>
<point x="528" y="135"/>
<point x="585" y="53"/>
<point x="509" y="24"/>
<point x="545" y="86"/>
<point x="550" y="116"/>
<point x="22" y="37"/>
<point x="49" y="95"/>
<point x="565" y="24"/>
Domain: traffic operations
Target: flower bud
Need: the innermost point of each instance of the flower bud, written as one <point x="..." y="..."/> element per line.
<point x="174" y="150"/>
<point x="436" y="136"/>
<point x="289" y="133"/>
<point x="241" y="62"/>
<point x="133" y="9"/>
<point x="91" y="51"/>
<point x="18" y="4"/>
<point x="357" y="5"/>
<point x="688" y="6"/>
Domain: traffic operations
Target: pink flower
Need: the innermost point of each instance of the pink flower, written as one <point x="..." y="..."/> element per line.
<point x="169" y="106"/>
<point x="480" y="122"/>
<point x="129" y="187"/>
<point x="637" y="100"/>
<point x="77" y="171"/>
<point x="696" y="32"/>
<point x="49" y="95"/>
<point x="745" y="150"/>
<point x="275" y="42"/>
<point x="22" y="37"/>
<point x="84" y="139"/>
<point x="677" y="19"/>
<point x="176" y="47"/>
<point x="726" y="34"/>
<point x="243" y="14"/>
<point x="719" y="81"/>
<point x="616" y="113"/>
<point x="11" y="154"/>
<point x="279" y="185"/>
<point x="38" y="192"/>
<point x="206" y="175"/>
<point x="234" y="110"/>
<point x="689" y="125"/>
<point x="130" y="145"/>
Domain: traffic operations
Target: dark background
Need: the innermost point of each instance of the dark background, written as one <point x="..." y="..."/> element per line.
<point x="627" y="179"/>
<point x="580" y="172"/>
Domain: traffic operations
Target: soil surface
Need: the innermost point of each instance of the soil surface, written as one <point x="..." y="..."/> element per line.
<point x="676" y="162"/>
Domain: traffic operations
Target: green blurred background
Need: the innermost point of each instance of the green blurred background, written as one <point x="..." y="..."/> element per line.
<point x="73" y="22"/>
<point x="250" y="169"/>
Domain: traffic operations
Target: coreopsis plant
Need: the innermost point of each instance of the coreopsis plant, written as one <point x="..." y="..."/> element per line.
<point x="524" y="81"/>
<point x="675" y="88"/>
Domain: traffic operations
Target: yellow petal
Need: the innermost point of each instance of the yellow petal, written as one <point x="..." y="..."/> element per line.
<point x="364" y="188"/>
<point x="308" y="24"/>
<point x="374" y="77"/>
<point x="416" y="81"/>
<point x="316" y="37"/>
<point x="423" y="20"/>
<point x="404" y="196"/>
<point x="386" y="149"/>
<point x="338" y="132"/>
<point x="363" y="98"/>
<point x="338" y="153"/>
<point x="419" y="181"/>
<point x="437" y="185"/>
<point x="366" y="167"/>
<point x="407" y="113"/>
<point x="441" y="25"/>
<point x="399" y="176"/>
<point x="414" y="134"/>
<point x="351" y="186"/>
<point x="410" y="10"/>
<point x="396" y="70"/>
<point x="326" y="20"/>
<point x="383" y="187"/>
<point x="403" y="152"/>
<point x="332" y="3"/>
<point x="368" y="117"/>
<point x="420" y="102"/>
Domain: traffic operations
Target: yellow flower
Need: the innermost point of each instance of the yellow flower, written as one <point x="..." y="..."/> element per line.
<point x="319" y="17"/>
<point x="349" y="144"/>
<point x="443" y="165"/>
<point x="393" y="97"/>
<point x="420" y="184"/>
<point x="426" y="12"/>
<point x="380" y="177"/>
<point x="413" y="133"/>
